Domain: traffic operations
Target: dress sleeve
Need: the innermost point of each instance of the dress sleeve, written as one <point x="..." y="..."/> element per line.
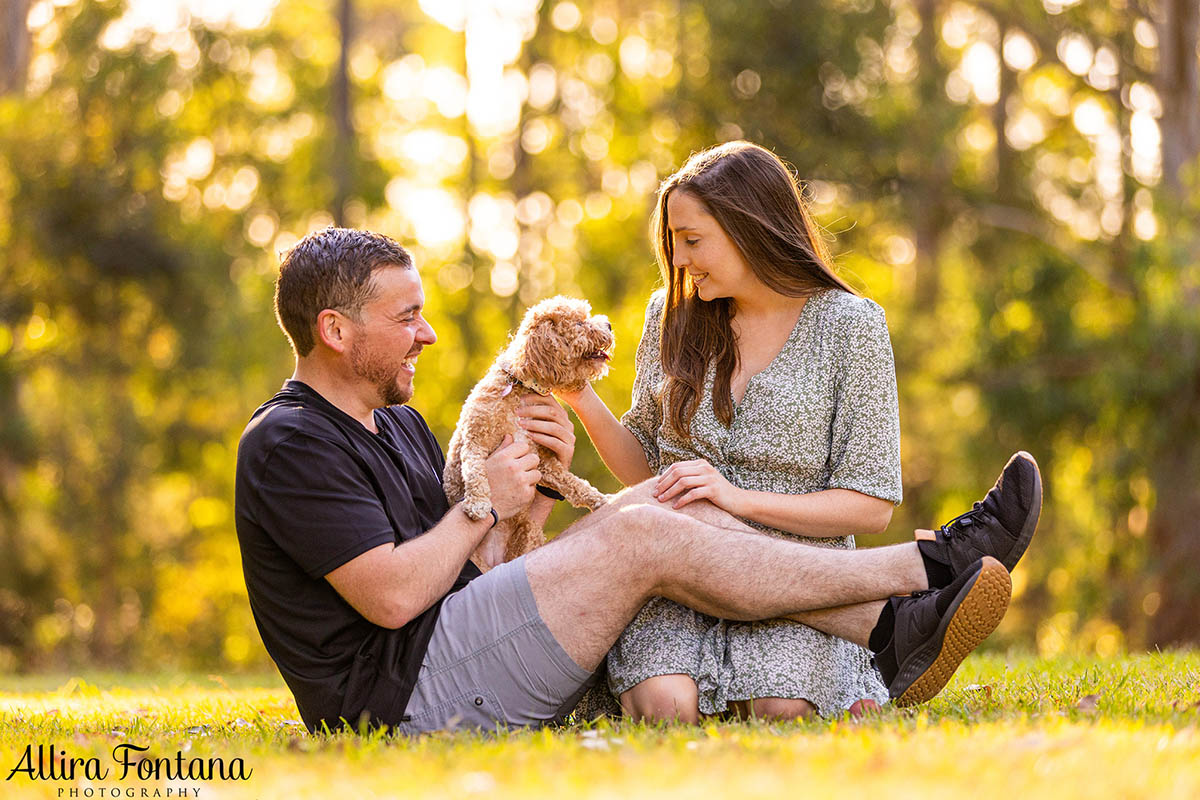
<point x="864" y="453"/>
<point x="317" y="504"/>
<point x="644" y="417"/>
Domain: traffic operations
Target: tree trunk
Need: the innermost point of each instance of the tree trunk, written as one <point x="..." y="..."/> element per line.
<point x="14" y="45"/>
<point x="1175" y="527"/>
<point x="930" y="184"/>
<point x="1175" y="524"/>
<point x="343" y="147"/>
<point x="1179" y="88"/>
<point x="1006" y="160"/>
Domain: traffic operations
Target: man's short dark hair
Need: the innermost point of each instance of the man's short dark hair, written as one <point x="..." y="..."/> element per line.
<point x="331" y="268"/>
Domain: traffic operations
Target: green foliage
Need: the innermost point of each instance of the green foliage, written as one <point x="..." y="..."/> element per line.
<point x="149" y="181"/>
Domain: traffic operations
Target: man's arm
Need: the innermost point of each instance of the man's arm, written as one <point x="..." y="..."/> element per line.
<point x="391" y="584"/>
<point x="539" y="512"/>
<point x="490" y="551"/>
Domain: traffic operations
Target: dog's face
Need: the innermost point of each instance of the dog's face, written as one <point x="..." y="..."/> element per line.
<point x="560" y="345"/>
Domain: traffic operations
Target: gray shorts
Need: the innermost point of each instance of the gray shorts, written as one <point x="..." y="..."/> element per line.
<point x="492" y="662"/>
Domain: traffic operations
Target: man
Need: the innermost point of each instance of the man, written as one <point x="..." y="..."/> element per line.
<point x="358" y="574"/>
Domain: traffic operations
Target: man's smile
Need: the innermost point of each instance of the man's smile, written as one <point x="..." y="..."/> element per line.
<point x="410" y="362"/>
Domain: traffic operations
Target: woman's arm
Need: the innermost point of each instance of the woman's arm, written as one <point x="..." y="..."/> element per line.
<point x="628" y="446"/>
<point x="826" y="514"/>
<point x="620" y="450"/>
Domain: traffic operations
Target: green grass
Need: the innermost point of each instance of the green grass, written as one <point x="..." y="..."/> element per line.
<point x="1014" y="727"/>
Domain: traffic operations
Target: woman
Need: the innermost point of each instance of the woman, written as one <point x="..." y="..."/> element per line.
<point x="766" y="386"/>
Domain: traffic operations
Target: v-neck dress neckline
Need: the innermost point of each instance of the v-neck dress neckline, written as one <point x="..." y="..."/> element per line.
<point x="787" y="343"/>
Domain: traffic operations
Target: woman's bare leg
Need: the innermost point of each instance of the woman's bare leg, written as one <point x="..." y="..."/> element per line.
<point x="774" y="709"/>
<point x="663" y="698"/>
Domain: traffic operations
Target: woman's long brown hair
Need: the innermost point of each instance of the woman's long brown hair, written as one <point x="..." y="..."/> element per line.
<point x="755" y="199"/>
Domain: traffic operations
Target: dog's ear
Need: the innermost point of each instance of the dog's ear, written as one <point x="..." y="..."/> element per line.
<point x="543" y="355"/>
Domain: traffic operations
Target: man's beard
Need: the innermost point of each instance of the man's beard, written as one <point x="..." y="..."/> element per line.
<point x="380" y="372"/>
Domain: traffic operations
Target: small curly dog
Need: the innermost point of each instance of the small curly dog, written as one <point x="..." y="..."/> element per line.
<point x="559" y="345"/>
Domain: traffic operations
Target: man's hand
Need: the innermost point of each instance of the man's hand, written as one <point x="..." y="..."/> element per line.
<point x="547" y="424"/>
<point x="513" y="476"/>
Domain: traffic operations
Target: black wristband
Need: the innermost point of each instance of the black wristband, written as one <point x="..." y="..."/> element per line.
<point x="551" y="493"/>
<point x="495" y="518"/>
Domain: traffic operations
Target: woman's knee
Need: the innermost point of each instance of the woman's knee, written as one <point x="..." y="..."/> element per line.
<point x="780" y="709"/>
<point x="663" y="698"/>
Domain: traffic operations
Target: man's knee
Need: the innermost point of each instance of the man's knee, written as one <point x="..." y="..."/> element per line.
<point x="638" y="494"/>
<point x="619" y="549"/>
<point x="663" y="698"/>
<point x="700" y="510"/>
<point x="633" y="529"/>
<point x="712" y="514"/>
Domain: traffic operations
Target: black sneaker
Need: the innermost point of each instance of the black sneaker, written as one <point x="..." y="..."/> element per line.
<point x="934" y="630"/>
<point x="1001" y="525"/>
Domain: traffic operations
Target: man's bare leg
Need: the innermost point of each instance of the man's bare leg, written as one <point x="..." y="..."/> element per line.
<point x="589" y="584"/>
<point x="846" y="622"/>
<point x="851" y="622"/>
<point x="674" y="697"/>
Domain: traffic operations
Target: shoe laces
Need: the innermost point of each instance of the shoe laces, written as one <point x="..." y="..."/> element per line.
<point x="955" y="526"/>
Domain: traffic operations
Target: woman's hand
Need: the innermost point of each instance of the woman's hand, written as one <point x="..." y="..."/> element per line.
<point x="573" y="399"/>
<point x="547" y="424"/>
<point x="695" y="480"/>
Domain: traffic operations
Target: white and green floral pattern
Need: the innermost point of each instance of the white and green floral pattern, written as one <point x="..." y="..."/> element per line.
<point x="822" y="415"/>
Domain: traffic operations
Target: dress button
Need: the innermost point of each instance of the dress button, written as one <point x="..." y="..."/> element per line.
<point x="478" y="701"/>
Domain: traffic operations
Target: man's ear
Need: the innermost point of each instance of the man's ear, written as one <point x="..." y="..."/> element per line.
<point x="334" y="330"/>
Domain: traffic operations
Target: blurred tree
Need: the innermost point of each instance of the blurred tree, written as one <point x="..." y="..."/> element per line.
<point x="343" y="166"/>
<point x="1172" y="329"/>
<point x="14" y="54"/>
<point x="129" y="253"/>
<point x="1014" y="180"/>
<point x="17" y="447"/>
<point x="1178" y="84"/>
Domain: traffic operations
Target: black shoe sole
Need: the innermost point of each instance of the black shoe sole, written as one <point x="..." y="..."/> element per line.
<point x="1031" y="522"/>
<point x="975" y="613"/>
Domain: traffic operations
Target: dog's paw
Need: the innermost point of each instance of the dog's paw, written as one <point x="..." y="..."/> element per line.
<point x="598" y="500"/>
<point x="477" y="507"/>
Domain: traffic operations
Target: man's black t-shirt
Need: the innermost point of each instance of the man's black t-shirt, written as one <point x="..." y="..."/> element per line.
<point x="315" y="489"/>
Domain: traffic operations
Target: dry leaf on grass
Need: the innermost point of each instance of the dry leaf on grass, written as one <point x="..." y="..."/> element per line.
<point x="985" y="688"/>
